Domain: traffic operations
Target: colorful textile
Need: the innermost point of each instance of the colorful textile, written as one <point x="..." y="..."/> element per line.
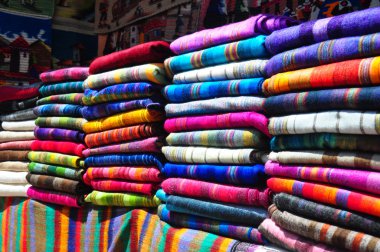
<point x="19" y="125"/>
<point x="16" y="166"/>
<point x="214" y="106"/>
<point x="16" y="145"/>
<point x="150" y="72"/>
<point x="357" y="72"/>
<point x="16" y="105"/>
<point x="9" y="190"/>
<point x="10" y="136"/>
<point x="110" y="185"/>
<point x="58" y="110"/>
<point x="61" y="122"/>
<point x="341" y="198"/>
<point x="66" y="74"/>
<point x="54" y="159"/>
<point x="14" y="155"/>
<point x="10" y="177"/>
<point x="59" y="134"/>
<point x="121" y="199"/>
<point x="207" y="90"/>
<point x="260" y="24"/>
<point x="315" y="101"/>
<point x="11" y="93"/>
<point x="21" y="115"/>
<point x="232" y="71"/>
<point x="125" y="159"/>
<point x="57" y="171"/>
<point x="240" y="138"/>
<point x="124" y="119"/>
<point x="74" y="98"/>
<point x="69" y="148"/>
<point x="142" y="174"/>
<point x="58" y="198"/>
<point x="62" y="88"/>
<point x="237" y="175"/>
<point x="220" y="121"/>
<point x="155" y="51"/>
<point x="249" y="216"/>
<point x="348" y="25"/>
<point x="241" y="50"/>
<point x="325" y="52"/>
<point x="163" y="196"/>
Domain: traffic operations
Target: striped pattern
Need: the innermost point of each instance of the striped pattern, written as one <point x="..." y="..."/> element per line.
<point x="147" y="174"/>
<point x="53" y="197"/>
<point x="62" y="88"/>
<point x="54" y="159"/>
<point x="61" y="122"/>
<point x="110" y="185"/>
<point x="121" y="199"/>
<point x="58" y="171"/>
<point x="74" y="98"/>
<point x="125" y="159"/>
<point x="72" y="73"/>
<point x="58" y="110"/>
<point x="59" y="134"/>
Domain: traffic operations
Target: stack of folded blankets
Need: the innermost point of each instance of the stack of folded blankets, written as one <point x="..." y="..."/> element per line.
<point x="16" y="136"/>
<point x="219" y="138"/>
<point x="124" y="132"/>
<point x="56" y="169"/>
<point x="325" y="162"/>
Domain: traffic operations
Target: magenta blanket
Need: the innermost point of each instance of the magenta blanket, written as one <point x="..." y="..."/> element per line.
<point x="67" y="74"/>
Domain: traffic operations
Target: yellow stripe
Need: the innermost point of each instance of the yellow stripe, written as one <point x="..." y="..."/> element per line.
<point x="64" y="229"/>
<point x="106" y="227"/>
<point x="176" y="238"/>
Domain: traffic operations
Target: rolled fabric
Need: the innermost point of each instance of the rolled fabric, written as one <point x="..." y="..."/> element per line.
<point x="62" y="88"/>
<point x="59" y="134"/>
<point x="326" y="141"/>
<point x="149" y="72"/>
<point x="66" y="74"/>
<point x="16" y="145"/>
<point x="57" y="171"/>
<point x="14" y="155"/>
<point x="74" y="98"/>
<point x="361" y="180"/>
<point x="12" y="136"/>
<point x="10" y="177"/>
<point x="348" y="25"/>
<point x="350" y="73"/>
<point x="58" y="110"/>
<point x="249" y="216"/>
<point x="9" y="190"/>
<point x="54" y="159"/>
<point x="240" y="138"/>
<point x="16" y="105"/>
<point x="69" y="148"/>
<point x="142" y="174"/>
<point x="223" y="228"/>
<point x="21" y="115"/>
<point x="12" y="92"/>
<point x="316" y="101"/>
<point x="232" y="71"/>
<point x="110" y="185"/>
<point x="19" y="125"/>
<point x="162" y="195"/>
<point x="324" y="213"/>
<point x="237" y="175"/>
<point x="16" y="166"/>
<point x="328" y="158"/>
<point x="58" y="198"/>
<point x="61" y="122"/>
<point x="341" y="198"/>
<point x="152" y="144"/>
<point x="125" y="159"/>
<point x="155" y="51"/>
<point x="214" y="106"/>
<point x="206" y="90"/>
<point x="217" y="192"/>
<point x="325" y="233"/>
<point x="121" y="199"/>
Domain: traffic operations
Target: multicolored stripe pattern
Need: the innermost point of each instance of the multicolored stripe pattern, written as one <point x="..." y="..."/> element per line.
<point x="121" y="199"/>
<point x="62" y="88"/>
<point x="58" y="110"/>
<point x="72" y="73"/>
<point x="61" y="122"/>
<point x="74" y="98"/>
<point x="54" y="158"/>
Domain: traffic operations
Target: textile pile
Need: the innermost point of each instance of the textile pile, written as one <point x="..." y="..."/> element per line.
<point x="324" y="118"/>
<point x="56" y="165"/>
<point x="124" y="132"/>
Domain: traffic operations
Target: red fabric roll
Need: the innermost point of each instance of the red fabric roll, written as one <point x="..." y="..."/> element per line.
<point x="10" y="93"/>
<point x="16" y="145"/>
<point x="142" y="174"/>
<point x="68" y="148"/>
<point x="110" y="185"/>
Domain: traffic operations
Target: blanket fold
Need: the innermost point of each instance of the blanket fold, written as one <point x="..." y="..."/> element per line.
<point x="67" y="74"/>
<point x="121" y="199"/>
<point x="58" y="198"/>
<point x="54" y="159"/>
<point x="69" y="148"/>
<point x="59" y="134"/>
<point x="135" y="173"/>
<point x="57" y="171"/>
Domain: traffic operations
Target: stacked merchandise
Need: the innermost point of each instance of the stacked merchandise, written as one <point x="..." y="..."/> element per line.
<point x="326" y="128"/>
<point x="16" y="136"/>
<point x="57" y="167"/>
<point x="124" y="131"/>
<point x="218" y="137"/>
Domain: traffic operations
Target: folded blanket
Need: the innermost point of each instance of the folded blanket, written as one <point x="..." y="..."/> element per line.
<point x="74" y="98"/>
<point x="121" y="199"/>
<point x="249" y="216"/>
<point x="351" y="73"/>
<point x="62" y="88"/>
<point x="66" y="74"/>
<point x="315" y="101"/>
<point x="239" y="138"/>
<point x="14" y="155"/>
<point x="57" y="171"/>
<point x="119" y="92"/>
<point x="259" y="24"/>
<point x="125" y="159"/>
<point x="348" y="25"/>
<point x="12" y="106"/>
<point x="142" y="174"/>
<point x="326" y="141"/>
<point x="149" y="72"/>
<point x="214" y="106"/>
<point x="341" y="198"/>
<point x="155" y="51"/>
<point x="237" y="175"/>
<point x="251" y="48"/>
<point x="207" y="90"/>
<point x="69" y="148"/>
<point x="10" y="177"/>
<point x="335" y="216"/>
<point x="110" y="185"/>
<point x="16" y="145"/>
<point x="217" y="192"/>
<point x="361" y="180"/>
<point x="58" y="110"/>
<point x="231" y="71"/>
<point x="223" y="228"/>
<point x="124" y="119"/>
<point x="202" y="155"/>
<point x="11" y="136"/>
<point x="58" y="198"/>
<point x="325" y="52"/>
<point x="9" y="190"/>
<point x="123" y="134"/>
<point x="21" y="115"/>
<point x="11" y="92"/>
<point x="152" y="144"/>
<point x="16" y="166"/>
<point x="19" y="125"/>
<point x="54" y="159"/>
<point x="220" y="121"/>
<point x="59" y="134"/>
<point x="61" y="122"/>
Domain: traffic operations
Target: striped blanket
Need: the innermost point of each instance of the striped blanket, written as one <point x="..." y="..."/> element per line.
<point x="74" y="98"/>
<point x="62" y="88"/>
<point x="66" y="74"/>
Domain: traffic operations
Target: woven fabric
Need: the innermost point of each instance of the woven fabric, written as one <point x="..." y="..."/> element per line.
<point x="238" y="138"/>
<point x="315" y="101"/>
<point x="58" y="198"/>
<point x="74" y="98"/>
<point x="341" y="198"/>
<point x="9" y="190"/>
<point x="232" y="71"/>
<point x="59" y="134"/>
<point x="14" y="155"/>
<point x="125" y="159"/>
<point x="352" y="24"/>
<point x="62" y="88"/>
<point x="124" y="119"/>
<point x="163" y="196"/>
<point x="61" y="122"/>
<point x="10" y="136"/>
<point x="16" y="145"/>
<point x="66" y="74"/>
<point x="58" y="110"/>
<point x="57" y="171"/>
<point x="12" y="92"/>
<point x="10" y="177"/>
<point x="110" y="185"/>
<point x="350" y="73"/>
<point x="207" y="90"/>
<point x="69" y="148"/>
<point x="19" y="125"/>
<point x="142" y="174"/>
<point x="21" y="115"/>
<point x="236" y="175"/>
<point x="121" y="199"/>
<point x="220" y="121"/>
<point x="15" y="105"/>
<point x="16" y="166"/>
<point x="54" y="159"/>
<point x="154" y="73"/>
<point x="214" y="106"/>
